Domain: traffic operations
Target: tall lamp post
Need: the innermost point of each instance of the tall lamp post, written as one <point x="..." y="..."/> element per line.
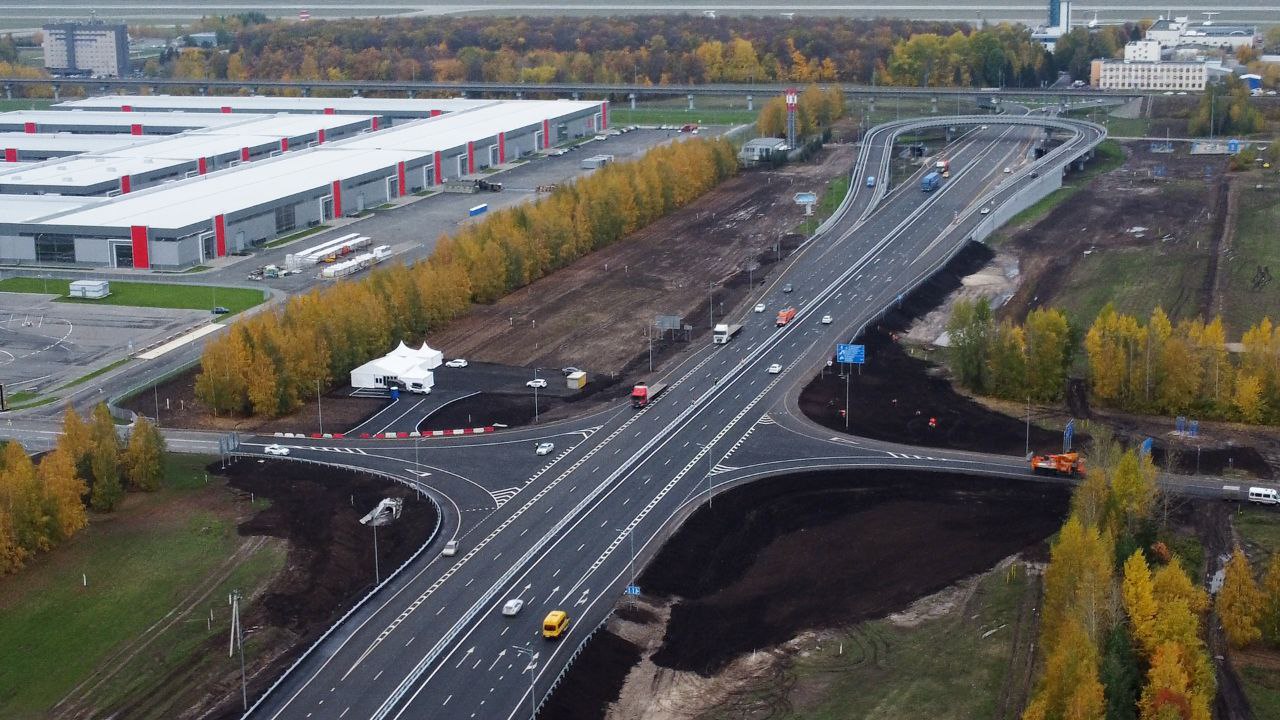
<point x="531" y="668"/>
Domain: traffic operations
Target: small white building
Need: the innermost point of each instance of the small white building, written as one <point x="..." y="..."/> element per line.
<point x="405" y="367"/>
<point x="1142" y="51"/>
<point x="90" y="289"/>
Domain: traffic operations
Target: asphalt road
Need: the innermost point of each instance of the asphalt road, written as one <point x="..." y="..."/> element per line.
<point x="558" y="531"/>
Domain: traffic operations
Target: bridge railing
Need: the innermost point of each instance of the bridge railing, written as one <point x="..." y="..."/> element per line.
<point x="359" y="604"/>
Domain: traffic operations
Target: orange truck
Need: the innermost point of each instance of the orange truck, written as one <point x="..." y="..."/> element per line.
<point x="786" y="316"/>
<point x="1065" y="464"/>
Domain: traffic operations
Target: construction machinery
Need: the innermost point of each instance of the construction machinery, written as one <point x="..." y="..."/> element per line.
<point x="1064" y="464"/>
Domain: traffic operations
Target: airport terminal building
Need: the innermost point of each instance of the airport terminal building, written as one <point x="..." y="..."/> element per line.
<point x="182" y="223"/>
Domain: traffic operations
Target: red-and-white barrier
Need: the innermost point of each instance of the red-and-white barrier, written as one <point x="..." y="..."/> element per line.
<point x="392" y="435"/>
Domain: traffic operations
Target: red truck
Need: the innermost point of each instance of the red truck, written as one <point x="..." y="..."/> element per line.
<point x="786" y="316"/>
<point x="643" y="393"/>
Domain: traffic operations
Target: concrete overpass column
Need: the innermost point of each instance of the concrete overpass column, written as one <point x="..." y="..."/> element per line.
<point x="690" y="101"/>
<point x="519" y="94"/>
<point x="463" y="94"/>
<point x="576" y="96"/>
<point x="413" y="94"/>
<point x="204" y="90"/>
<point x="632" y="98"/>
<point x="933" y="105"/>
<point x="8" y="91"/>
<point x="102" y="89"/>
<point x="751" y="103"/>
<point x="57" y="91"/>
<point x="306" y="91"/>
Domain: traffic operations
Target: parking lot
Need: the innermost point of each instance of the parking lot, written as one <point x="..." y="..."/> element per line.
<point x="409" y="411"/>
<point x="45" y="344"/>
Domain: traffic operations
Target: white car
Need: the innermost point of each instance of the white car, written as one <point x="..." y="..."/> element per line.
<point x="536" y="383"/>
<point x="759" y="307"/>
<point x="984" y="211"/>
<point x="450" y="548"/>
<point x="276" y="450"/>
<point x="1008" y="170"/>
<point x="544" y="448"/>
<point x="456" y="363"/>
<point x="774" y="369"/>
<point x="826" y="319"/>
<point x="512" y="607"/>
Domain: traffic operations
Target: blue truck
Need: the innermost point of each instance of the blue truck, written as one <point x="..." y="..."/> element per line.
<point x="931" y="182"/>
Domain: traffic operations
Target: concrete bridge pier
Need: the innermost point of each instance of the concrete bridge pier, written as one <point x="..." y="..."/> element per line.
<point x="8" y="91"/>
<point x="577" y="96"/>
<point x="751" y="103"/>
<point x="306" y="91"/>
<point x="204" y="90"/>
<point x="690" y="101"/>
<point x="933" y="105"/>
<point x="57" y="91"/>
<point x="632" y="98"/>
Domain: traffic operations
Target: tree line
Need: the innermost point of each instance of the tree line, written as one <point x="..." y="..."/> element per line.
<point x="269" y="363"/>
<point x="653" y="50"/>
<point x="1250" y="613"/>
<point x="44" y="504"/>
<point x="1121" y="622"/>
<point x="1156" y="368"/>
<point x="816" y="109"/>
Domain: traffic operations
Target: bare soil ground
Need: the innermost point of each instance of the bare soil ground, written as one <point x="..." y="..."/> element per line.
<point x="328" y="568"/>
<point x="779" y="558"/>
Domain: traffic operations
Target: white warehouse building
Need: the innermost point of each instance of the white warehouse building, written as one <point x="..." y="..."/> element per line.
<point x="180" y="224"/>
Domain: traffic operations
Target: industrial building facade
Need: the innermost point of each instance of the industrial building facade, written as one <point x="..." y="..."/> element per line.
<point x="1129" y="75"/>
<point x="96" y="49"/>
<point x="181" y="224"/>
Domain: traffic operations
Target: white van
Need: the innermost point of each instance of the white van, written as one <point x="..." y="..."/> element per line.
<point x="1264" y="496"/>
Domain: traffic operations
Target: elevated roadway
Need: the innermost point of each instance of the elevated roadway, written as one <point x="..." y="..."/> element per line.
<point x="558" y="531"/>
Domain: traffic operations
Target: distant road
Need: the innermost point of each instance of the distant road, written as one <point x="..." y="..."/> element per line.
<point x="14" y="15"/>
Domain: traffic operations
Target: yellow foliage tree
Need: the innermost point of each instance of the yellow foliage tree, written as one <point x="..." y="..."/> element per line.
<point x="1139" y="599"/>
<point x="1239" y="603"/>
<point x="1168" y="693"/>
<point x="1077" y="580"/>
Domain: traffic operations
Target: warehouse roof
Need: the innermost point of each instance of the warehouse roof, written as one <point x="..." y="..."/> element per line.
<point x="179" y="205"/>
<point x="69" y="142"/>
<point x="84" y="118"/>
<point x="450" y="131"/>
<point x="283" y="124"/>
<point x="25" y="208"/>
<point x="92" y="169"/>
<point x="259" y="103"/>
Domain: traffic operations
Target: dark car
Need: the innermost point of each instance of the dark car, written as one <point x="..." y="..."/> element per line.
<point x="219" y="310"/>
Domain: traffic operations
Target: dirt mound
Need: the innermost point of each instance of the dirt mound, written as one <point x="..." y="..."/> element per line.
<point x="830" y="549"/>
<point x="896" y="396"/>
<point x="585" y="695"/>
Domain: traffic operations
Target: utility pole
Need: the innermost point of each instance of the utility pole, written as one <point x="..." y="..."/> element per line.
<point x="320" y="406"/>
<point x="237" y="640"/>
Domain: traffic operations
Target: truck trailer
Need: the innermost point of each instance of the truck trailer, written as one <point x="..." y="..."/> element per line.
<point x="643" y="393"/>
<point x="931" y="182"/>
<point x="723" y="333"/>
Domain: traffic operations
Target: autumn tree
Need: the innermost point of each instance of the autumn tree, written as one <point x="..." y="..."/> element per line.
<point x="1139" y="599"/>
<point x="144" y="456"/>
<point x="104" y="461"/>
<point x="1168" y="693"/>
<point x="1077" y="580"/>
<point x="64" y="493"/>
<point x="1239" y="603"/>
<point x="1269" y="622"/>
<point x="1070" y="687"/>
<point x="969" y="331"/>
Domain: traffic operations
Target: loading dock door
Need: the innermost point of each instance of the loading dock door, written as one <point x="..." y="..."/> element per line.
<point x="493" y="155"/>
<point x="208" y="247"/>
<point x="393" y="188"/>
<point x="462" y="165"/>
<point x="122" y="255"/>
<point x="326" y="207"/>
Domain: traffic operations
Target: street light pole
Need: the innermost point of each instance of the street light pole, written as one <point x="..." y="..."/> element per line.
<point x="320" y="406"/>
<point x="532" y="670"/>
<point x="711" y="305"/>
<point x="377" y="573"/>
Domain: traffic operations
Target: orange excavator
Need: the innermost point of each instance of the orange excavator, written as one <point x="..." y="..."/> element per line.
<point x="1067" y="464"/>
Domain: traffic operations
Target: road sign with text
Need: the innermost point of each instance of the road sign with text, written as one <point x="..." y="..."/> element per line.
<point x="852" y="354"/>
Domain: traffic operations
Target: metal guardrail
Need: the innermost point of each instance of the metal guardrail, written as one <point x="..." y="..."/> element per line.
<point x="359" y="604"/>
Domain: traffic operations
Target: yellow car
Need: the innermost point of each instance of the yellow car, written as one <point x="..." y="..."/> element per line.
<point x="555" y="624"/>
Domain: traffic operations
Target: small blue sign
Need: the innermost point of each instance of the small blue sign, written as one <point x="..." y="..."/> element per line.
<point x="395" y="393"/>
<point x="1233" y="146"/>
<point x="805" y="198"/>
<point x="852" y="354"/>
<point x="632" y="590"/>
<point x="1180" y="424"/>
<point x="478" y="210"/>
<point x="1068" y="433"/>
<point x="1145" y="448"/>
<point x="1194" y="430"/>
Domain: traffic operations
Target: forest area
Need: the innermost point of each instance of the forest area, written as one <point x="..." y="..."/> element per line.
<point x="651" y="50"/>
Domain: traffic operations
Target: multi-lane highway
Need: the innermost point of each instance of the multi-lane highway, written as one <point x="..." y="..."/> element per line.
<point x="559" y="531"/>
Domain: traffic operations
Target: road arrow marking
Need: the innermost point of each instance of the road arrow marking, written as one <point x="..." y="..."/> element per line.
<point x="498" y="659"/>
<point x="466" y="655"/>
<point x="419" y="473"/>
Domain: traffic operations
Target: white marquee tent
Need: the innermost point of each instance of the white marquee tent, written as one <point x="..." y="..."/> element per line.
<point x="404" y="365"/>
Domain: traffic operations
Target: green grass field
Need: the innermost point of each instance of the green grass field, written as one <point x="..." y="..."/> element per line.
<point x="1109" y="156"/>
<point x="942" y="668"/>
<point x="138" y="294"/>
<point x="830" y="199"/>
<point x="1135" y="280"/>
<point x="24" y="104"/>
<point x="1254" y="245"/>
<point x="140" y="562"/>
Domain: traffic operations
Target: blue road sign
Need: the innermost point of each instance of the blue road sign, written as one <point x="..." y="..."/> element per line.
<point x="632" y="590"/>
<point x="1145" y="447"/>
<point x="1233" y="146"/>
<point x="805" y="198"/>
<point x="1195" y="428"/>
<point x="853" y="354"/>
<point x="1068" y="433"/>
<point x="1180" y="424"/>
